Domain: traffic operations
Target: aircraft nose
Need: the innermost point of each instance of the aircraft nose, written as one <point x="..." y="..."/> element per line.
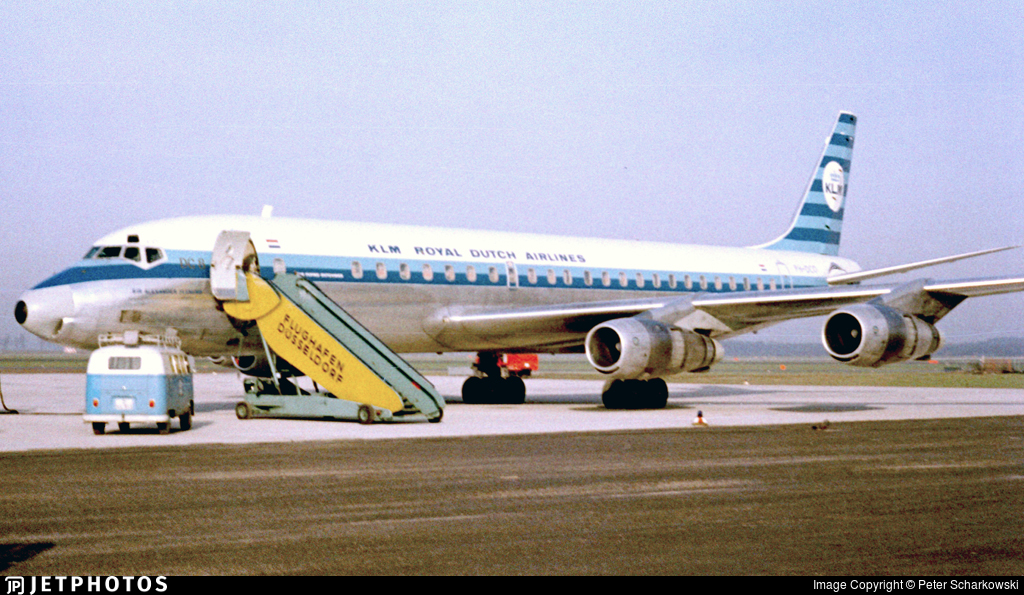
<point x="43" y="312"/>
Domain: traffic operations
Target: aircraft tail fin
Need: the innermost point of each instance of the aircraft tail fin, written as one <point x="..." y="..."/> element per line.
<point x="818" y="222"/>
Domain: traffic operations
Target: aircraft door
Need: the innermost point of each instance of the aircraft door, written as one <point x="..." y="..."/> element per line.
<point x="511" y="275"/>
<point x="233" y="255"/>
<point x="787" y="280"/>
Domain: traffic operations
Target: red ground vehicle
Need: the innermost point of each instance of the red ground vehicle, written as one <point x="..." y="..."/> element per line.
<point x="498" y="378"/>
<point x="519" y="364"/>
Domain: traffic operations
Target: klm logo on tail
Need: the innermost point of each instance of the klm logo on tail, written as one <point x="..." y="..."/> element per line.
<point x="819" y="221"/>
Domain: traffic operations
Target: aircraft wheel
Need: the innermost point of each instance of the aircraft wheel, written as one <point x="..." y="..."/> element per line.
<point x="243" y="410"/>
<point x="636" y="394"/>
<point x="472" y="390"/>
<point x="185" y="421"/>
<point x="365" y="415"/>
<point x="99" y="428"/>
<point x="616" y="395"/>
<point x="656" y="394"/>
<point x="515" y="390"/>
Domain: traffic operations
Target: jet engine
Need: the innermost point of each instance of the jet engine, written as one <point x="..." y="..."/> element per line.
<point x="631" y="348"/>
<point x="257" y="365"/>
<point x="871" y="335"/>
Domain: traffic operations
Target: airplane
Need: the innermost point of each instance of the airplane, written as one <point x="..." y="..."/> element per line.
<point x="641" y="311"/>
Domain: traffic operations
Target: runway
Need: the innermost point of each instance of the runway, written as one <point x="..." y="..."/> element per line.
<point x="51" y="405"/>
<point x="930" y="485"/>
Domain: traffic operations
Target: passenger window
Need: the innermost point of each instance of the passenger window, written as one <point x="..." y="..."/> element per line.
<point x="746" y="284"/>
<point x="771" y="284"/>
<point x="639" y="279"/>
<point x="732" y="283"/>
<point x="133" y="253"/>
<point x="449" y="272"/>
<point x="531" y="276"/>
<point x="588" y="278"/>
<point x="567" y="277"/>
<point x="492" y="274"/>
<point x="718" y="282"/>
<point x="623" y="280"/>
<point x="672" y="281"/>
<point x="357" y="269"/>
<point x="404" y="272"/>
<point x="760" y="284"/>
<point x="382" y="271"/>
<point x="703" y="282"/>
<point x="470" y="273"/>
<point x="606" y="279"/>
<point x="688" y="282"/>
<point x="552" y="279"/>
<point x="428" y="273"/>
<point x="656" y="280"/>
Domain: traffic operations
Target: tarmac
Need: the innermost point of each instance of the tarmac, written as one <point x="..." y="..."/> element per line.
<point x="928" y="486"/>
<point x="50" y="412"/>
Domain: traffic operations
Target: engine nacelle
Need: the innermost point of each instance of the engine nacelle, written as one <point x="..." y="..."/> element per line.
<point x="257" y="365"/>
<point x="630" y="348"/>
<point x="870" y="335"/>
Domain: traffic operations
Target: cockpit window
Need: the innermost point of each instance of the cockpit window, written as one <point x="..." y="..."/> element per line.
<point x="132" y="253"/>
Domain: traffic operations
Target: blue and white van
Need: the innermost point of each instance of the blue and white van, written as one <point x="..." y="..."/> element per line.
<point x="139" y="378"/>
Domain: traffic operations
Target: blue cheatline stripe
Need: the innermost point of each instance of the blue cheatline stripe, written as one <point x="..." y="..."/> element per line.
<point x="804" y="222"/>
<point x="90" y="272"/>
<point x="844" y="162"/>
<point x="113" y="272"/>
<point x="814" y="209"/>
<point x="808" y="247"/>
<point x="803" y="234"/>
<point x="841" y="140"/>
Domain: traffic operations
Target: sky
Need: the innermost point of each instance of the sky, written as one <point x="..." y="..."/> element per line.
<point x="694" y="122"/>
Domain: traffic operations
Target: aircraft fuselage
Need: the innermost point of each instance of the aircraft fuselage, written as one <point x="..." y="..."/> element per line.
<point x="404" y="283"/>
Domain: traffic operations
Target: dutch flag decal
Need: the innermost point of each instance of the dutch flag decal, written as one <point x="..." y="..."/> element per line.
<point x="273" y="244"/>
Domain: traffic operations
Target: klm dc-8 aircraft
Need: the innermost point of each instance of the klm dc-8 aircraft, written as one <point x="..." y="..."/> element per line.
<point x="640" y="310"/>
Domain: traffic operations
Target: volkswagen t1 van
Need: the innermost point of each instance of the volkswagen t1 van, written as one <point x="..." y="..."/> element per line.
<point x="139" y="378"/>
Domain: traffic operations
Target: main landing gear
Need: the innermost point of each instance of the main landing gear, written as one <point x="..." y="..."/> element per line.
<point x="489" y="386"/>
<point x="635" y="394"/>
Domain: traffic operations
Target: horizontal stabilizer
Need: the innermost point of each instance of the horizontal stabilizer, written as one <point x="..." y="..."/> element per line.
<point x="847" y="278"/>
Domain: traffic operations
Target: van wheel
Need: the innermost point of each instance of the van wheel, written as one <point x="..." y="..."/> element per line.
<point x="122" y="426"/>
<point x="99" y="428"/>
<point x="185" y="420"/>
<point x="163" y="427"/>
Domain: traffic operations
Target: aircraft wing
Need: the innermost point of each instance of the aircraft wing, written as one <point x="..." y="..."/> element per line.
<point x="928" y="299"/>
<point x="564" y="326"/>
